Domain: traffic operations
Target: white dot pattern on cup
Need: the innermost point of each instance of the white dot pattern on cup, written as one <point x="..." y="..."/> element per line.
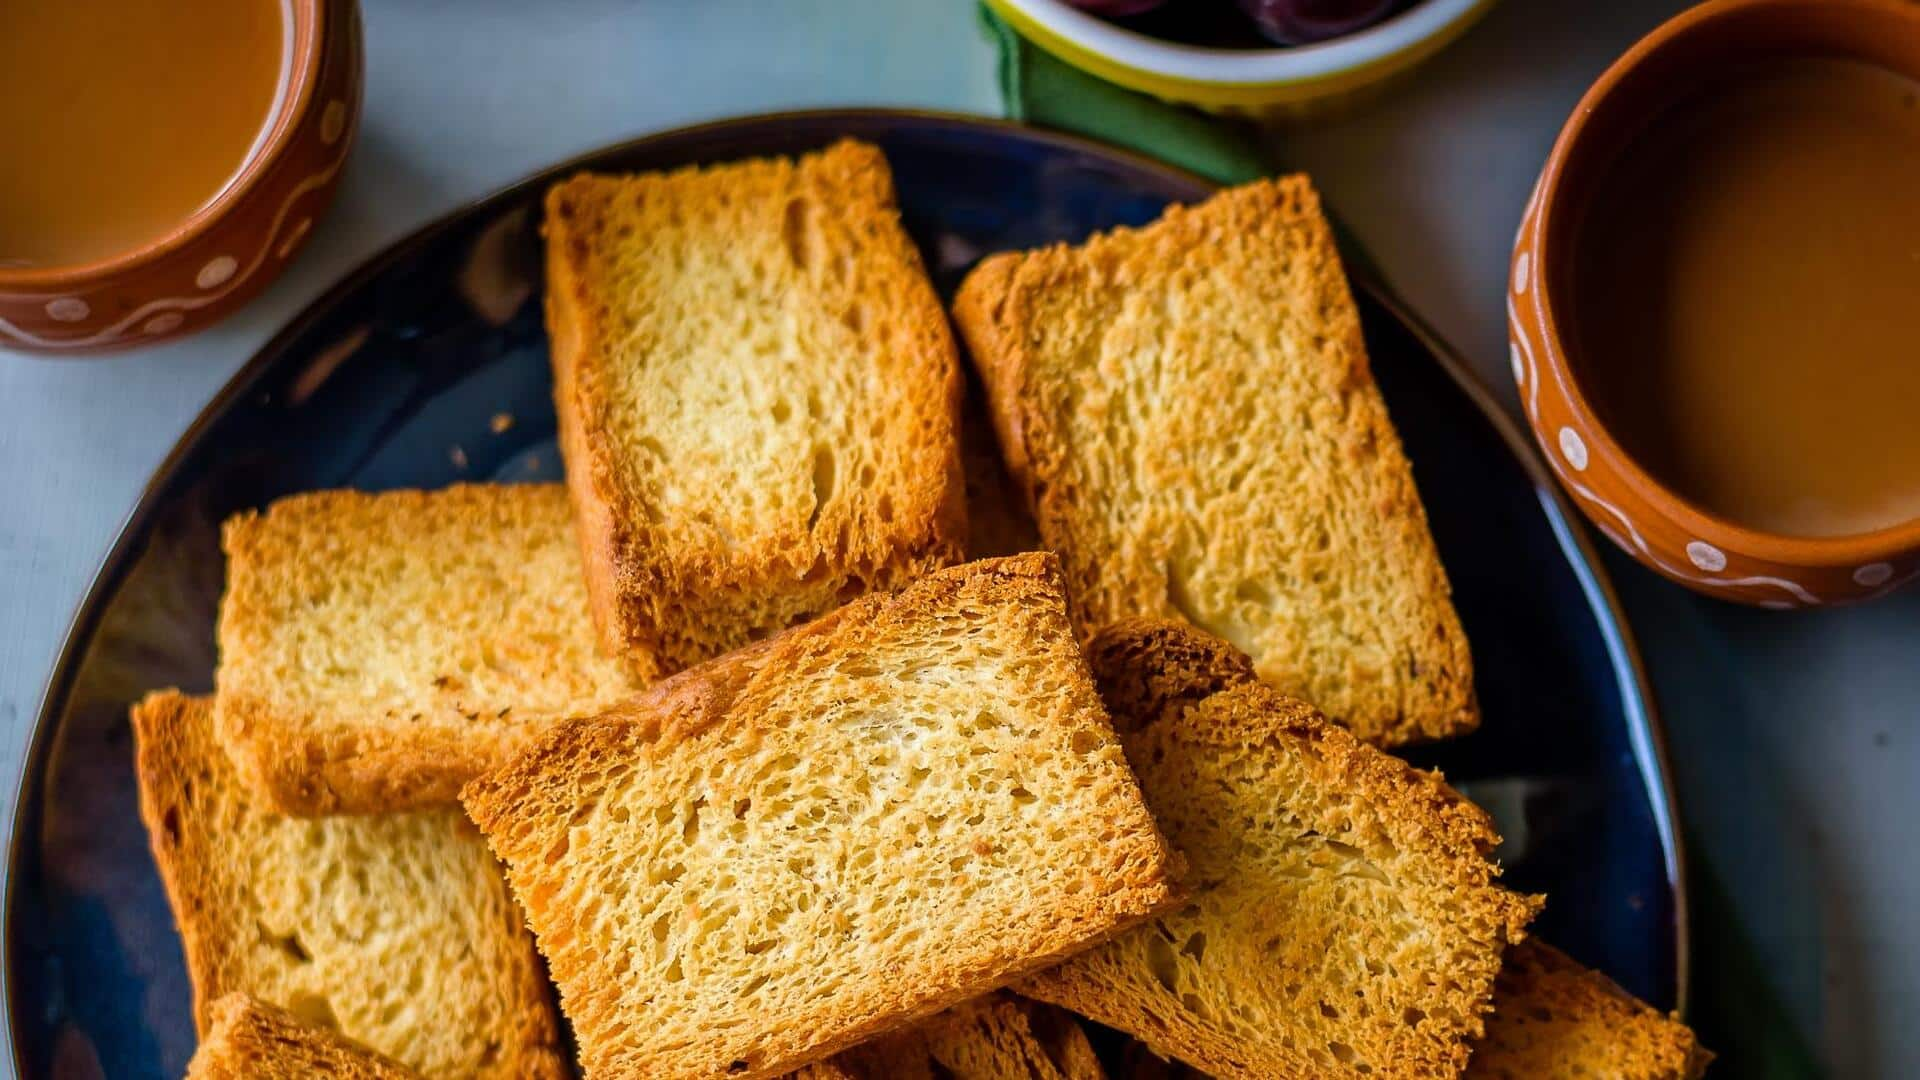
<point x="333" y="122"/>
<point x="1573" y="448"/>
<point x="1873" y="575"/>
<point x="1519" y="366"/>
<point x="218" y="271"/>
<point x="1521" y="269"/>
<point x="1706" y="556"/>
<point x="68" y="309"/>
<point x="164" y="323"/>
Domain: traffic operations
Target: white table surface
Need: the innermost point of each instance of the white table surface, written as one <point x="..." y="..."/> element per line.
<point x="1796" y="737"/>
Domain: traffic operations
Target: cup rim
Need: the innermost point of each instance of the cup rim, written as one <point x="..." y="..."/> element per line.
<point x="1729" y="535"/>
<point x="303" y="72"/>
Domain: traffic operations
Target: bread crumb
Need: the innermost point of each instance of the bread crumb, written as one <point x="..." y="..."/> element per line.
<point x="501" y="422"/>
<point x="459" y="457"/>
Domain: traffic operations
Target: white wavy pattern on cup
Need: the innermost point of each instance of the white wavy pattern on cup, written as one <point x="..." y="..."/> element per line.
<point x="1525" y="259"/>
<point x="1516" y="327"/>
<point x="1518" y="337"/>
<point x="188" y="303"/>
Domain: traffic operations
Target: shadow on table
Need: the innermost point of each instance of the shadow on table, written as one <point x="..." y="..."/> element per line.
<point x="1777" y="970"/>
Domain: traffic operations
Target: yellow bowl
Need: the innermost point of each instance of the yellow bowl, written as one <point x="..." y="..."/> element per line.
<point x="1257" y="82"/>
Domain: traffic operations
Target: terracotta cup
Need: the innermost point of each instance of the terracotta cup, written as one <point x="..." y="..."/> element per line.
<point x="1648" y="520"/>
<point x="216" y="260"/>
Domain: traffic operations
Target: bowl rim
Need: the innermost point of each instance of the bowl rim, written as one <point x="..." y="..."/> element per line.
<point x="302" y="53"/>
<point x="1842" y="551"/>
<point x="1151" y="63"/>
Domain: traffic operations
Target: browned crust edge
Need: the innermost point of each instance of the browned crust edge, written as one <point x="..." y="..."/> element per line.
<point x="590" y="474"/>
<point x="1535" y="967"/>
<point x="250" y="1038"/>
<point x="307" y="769"/>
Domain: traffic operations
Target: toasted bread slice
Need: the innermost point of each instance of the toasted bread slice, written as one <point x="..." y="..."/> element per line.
<point x="868" y="819"/>
<point x="756" y="389"/>
<point x="1556" y="1020"/>
<point x="378" y="651"/>
<point x="1345" y="920"/>
<point x="996" y="1038"/>
<point x="252" y="1040"/>
<point x="1189" y="411"/>
<point x="395" y="930"/>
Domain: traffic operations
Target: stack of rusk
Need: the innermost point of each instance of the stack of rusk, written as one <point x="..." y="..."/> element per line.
<point x="728" y="741"/>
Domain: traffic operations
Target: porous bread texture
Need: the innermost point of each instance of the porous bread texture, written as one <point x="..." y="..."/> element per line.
<point x="863" y="821"/>
<point x="756" y="389"/>
<point x="996" y="1038"/>
<point x="1556" y="1020"/>
<point x="396" y="930"/>
<point x="379" y="650"/>
<point x="1190" y="414"/>
<point x="252" y="1040"/>
<point x="1345" y="919"/>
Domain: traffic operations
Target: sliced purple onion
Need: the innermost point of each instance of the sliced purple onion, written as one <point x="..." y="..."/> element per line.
<point x="1116" y="9"/>
<point x="1302" y="22"/>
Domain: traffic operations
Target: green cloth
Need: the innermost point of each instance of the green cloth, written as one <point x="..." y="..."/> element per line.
<point x="1732" y="1010"/>
<point x="1735" y="1014"/>
<point x="1045" y="92"/>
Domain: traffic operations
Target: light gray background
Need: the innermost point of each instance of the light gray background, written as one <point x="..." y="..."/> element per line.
<point x="1796" y="737"/>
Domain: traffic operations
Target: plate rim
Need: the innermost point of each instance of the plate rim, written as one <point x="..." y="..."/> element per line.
<point x="1647" y="732"/>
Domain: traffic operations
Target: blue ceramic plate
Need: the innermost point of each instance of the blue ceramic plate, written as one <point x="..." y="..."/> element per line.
<point x="395" y="379"/>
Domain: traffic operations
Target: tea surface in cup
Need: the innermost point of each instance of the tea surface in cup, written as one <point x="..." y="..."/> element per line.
<point x="119" y="119"/>
<point x="1745" y="288"/>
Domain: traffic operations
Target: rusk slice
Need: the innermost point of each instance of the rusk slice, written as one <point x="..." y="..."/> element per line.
<point x="863" y="821"/>
<point x="1189" y="411"/>
<point x="997" y="1038"/>
<point x="756" y="389"/>
<point x="396" y="930"/>
<point x="1556" y="1020"/>
<point x="1345" y="919"/>
<point x="252" y="1040"/>
<point x="378" y="651"/>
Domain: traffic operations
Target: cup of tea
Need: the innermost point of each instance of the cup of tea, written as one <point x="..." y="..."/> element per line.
<point x="165" y="161"/>
<point x="1715" y="301"/>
